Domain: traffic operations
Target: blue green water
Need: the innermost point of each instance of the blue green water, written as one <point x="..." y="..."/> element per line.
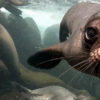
<point x="45" y="14"/>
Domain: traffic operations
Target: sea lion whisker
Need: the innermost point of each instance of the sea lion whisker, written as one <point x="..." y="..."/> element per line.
<point x="78" y="72"/>
<point x="87" y="67"/>
<point x="72" y="58"/>
<point x="82" y="62"/>
<point x="93" y="70"/>
<point x="81" y="77"/>
<point x="84" y="42"/>
<point x="82" y="55"/>
<point x="78" y="56"/>
<point x="83" y="51"/>
<point x="58" y="58"/>
<point x="81" y="71"/>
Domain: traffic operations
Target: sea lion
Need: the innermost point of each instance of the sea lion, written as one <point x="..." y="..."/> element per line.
<point x="10" y="5"/>
<point x="80" y="42"/>
<point x="17" y="71"/>
<point x="8" y="53"/>
<point x="19" y="2"/>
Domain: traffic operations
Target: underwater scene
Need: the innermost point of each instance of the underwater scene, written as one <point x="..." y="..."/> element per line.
<point x="49" y="50"/>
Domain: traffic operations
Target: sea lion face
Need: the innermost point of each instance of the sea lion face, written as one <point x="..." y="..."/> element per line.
<point x="92" y="38"/>
<point x="83" y="56"/>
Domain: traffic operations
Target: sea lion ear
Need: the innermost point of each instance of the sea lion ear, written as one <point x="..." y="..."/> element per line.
<point x="46" y="59"/>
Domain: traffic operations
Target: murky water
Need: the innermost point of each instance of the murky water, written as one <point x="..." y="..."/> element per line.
<point x="37" y="28"/>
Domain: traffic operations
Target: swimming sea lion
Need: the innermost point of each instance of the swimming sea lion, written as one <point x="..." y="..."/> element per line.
<point x="80" y="36"/>
<point x="15" y="70"/>
<point x="10" y="5"/>
<point x="8" y="53"/>
<point x="18" y="2"/>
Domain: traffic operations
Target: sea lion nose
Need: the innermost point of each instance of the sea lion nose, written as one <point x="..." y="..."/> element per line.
<point x="95" y="55"/>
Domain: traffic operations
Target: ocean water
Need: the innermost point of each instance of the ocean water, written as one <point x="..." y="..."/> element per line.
<point x="38" y="28"/>
<point x="50" y="12"/>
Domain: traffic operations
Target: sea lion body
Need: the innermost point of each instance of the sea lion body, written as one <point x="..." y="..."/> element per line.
<point x="13" y="70"/>
<point x="10" y="5"/>
<point x="8" y="53"/>
<point x="19" y="2"/>
<point x="81" y="27"/>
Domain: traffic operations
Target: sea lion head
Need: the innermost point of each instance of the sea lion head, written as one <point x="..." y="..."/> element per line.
<point x="92" y="42"/>
<point x="50" y="57"/>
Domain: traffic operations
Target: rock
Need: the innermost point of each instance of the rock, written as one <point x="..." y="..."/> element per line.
<point x="31" y="23"/>
<point x="51" y="36"/>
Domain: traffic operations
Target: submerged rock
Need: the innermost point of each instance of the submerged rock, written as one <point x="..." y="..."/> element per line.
<point x="25" y="34"/>
<point x="51" y="36"/>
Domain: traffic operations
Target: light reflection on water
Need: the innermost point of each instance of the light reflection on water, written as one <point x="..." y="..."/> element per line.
<point x="46" y="17"/>
<point x="47" y="14"/>
<point x="43" y="19"/>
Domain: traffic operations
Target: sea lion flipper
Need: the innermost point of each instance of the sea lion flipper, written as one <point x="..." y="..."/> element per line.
<point x="19" y="2"/>
<point x="47" y="58"/>
<point x="13" y="9"/>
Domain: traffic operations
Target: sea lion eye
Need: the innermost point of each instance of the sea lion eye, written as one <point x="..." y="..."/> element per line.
<point x="90" y="33"/>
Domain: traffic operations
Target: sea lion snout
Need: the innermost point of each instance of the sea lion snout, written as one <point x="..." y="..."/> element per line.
<point x="95" y="55"/>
